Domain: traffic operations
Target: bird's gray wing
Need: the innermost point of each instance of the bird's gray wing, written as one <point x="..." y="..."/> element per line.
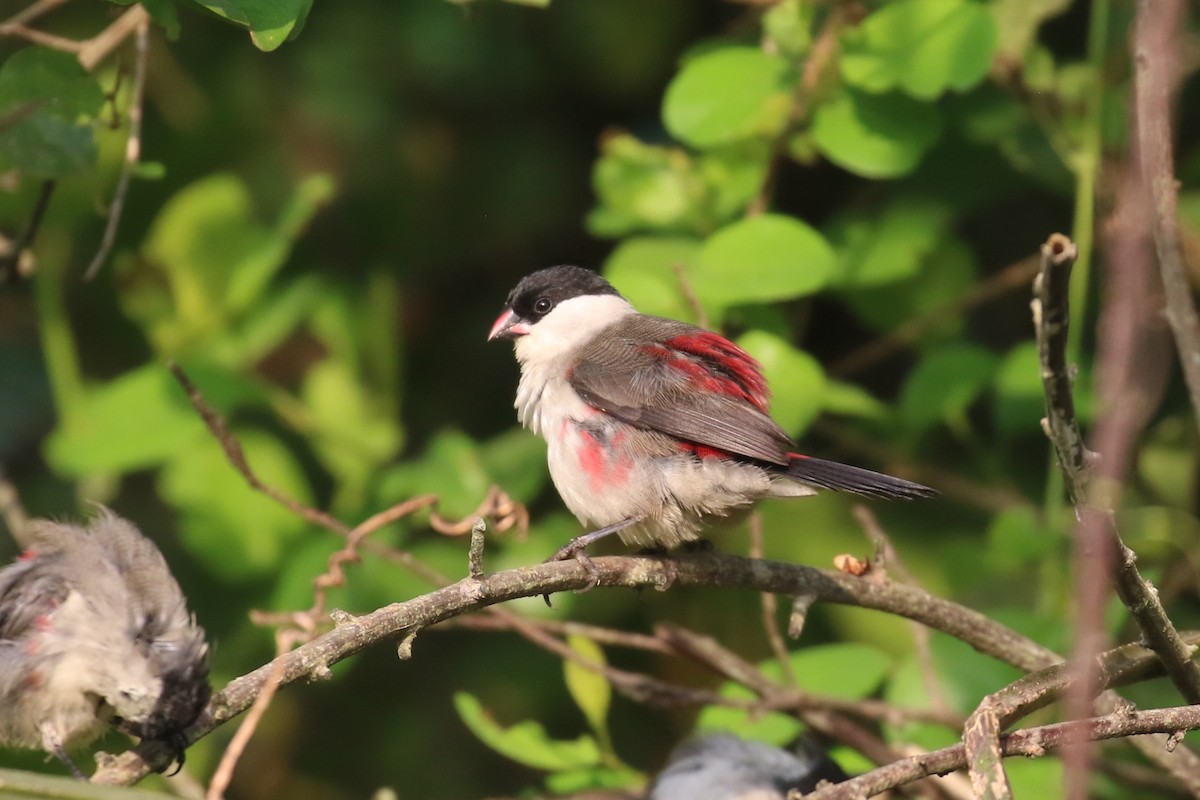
<point x="684" y="381"/>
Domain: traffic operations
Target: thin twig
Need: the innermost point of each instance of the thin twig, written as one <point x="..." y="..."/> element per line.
<point x="886" y="553"/>
<point x="475" y="552"/>
<point x="237" y="457"/>
<point x="1050" y="317"/>
<point x="770" y="608"/>
<point x="133" y="145"/>
<point x="1157" y="33"/>
<point x="10" y="265"/>
<point x="33" y="11"/>
<point x="100" y="46"/>
<point x="820" y="57"/>
<point x="1032" y="742"/>
<point x="233" y="752"/>
<point x="34" y="36"/>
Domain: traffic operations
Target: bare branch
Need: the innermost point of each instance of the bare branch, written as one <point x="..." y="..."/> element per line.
<point x="315" y="657"/>
<point x="133" y="145"/>
<point x="237" y="457"/>
<point x="1157" y="33"/>
<point x="233" y="752"/>
<point x="1037" y="690"/>
<point x="1098" y="546"/>
<point x="100" y="46"/>
<point x="1033" y="742"/>
<point x="1050" y="316"/>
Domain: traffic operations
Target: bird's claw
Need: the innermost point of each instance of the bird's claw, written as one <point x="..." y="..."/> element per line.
<point x="577" y="550"/>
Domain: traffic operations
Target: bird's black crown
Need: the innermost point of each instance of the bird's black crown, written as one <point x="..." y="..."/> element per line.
<point x="541" y="291"/>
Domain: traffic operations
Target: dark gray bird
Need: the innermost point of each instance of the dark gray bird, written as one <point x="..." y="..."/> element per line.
<point x="94" y="631"/>
<point x="725" y="767"/>
<point x="654" y="426"/>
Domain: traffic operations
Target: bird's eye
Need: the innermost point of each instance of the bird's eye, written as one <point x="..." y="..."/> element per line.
<point x="543" y="305"/>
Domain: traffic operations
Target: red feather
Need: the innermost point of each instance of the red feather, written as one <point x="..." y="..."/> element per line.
<point x="703" y="451"/>
<point x="715" y="364"/>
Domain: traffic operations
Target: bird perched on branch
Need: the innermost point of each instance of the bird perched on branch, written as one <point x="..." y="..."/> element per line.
<point x="654" y="426"/>
<point x="725" y="767"/>
<point x="94" y="631"/>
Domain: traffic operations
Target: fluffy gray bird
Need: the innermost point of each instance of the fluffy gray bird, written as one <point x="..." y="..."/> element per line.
<point x="654" y="426"/>
<point x="725" y="767"/>
<point x="94" y="631"/>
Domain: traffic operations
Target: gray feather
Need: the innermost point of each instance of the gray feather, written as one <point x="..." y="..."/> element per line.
<point x="617" y="374"/>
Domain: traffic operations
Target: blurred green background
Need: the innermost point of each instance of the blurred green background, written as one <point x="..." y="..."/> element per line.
<point x="322" y="235"/>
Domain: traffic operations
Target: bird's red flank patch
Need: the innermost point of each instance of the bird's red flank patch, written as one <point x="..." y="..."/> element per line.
<point x="716" y="364"/>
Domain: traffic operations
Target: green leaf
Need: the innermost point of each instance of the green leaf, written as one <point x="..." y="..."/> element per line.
<point x="350" y="430"/>
<point x="516" y="460"/>
<point x="788" y="25"/>
<point x="589" y="689"/>
<point x="945" y="275"/>
<point x="45" y="96"/>
<point x="796" y="378"/>
<point x="642" y="186"/>
<point x="1166" y="462"/>
<point x="135" y="421"/>
<point x="726" y="95"/>
<point x="880" y="246"/>
<point x="270" y="22"/>
<point x="453" y="468"/>
<point x="578" y="781"/>
<point x="994" y="117"/>
<point x="876" y="135"/>
<point x="772" y="727"/>
<point x="217" y="258"/>
<point x="1017" y="540"/>
<point x="644" y="269"/>
<point x="852" y="401"/>
<point x="849" y="670"/>
<point x="762" y="259"/>
<point x="526" y="742"/>
<point x="923" y="47"/>
<point x="945" y="383"/>
<point x="1019" y="404"/>
<point x="239" y="533"/>
<point x="733" y="176"/>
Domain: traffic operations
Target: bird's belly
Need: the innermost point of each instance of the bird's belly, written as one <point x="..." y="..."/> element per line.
<point x="600" y="477"/>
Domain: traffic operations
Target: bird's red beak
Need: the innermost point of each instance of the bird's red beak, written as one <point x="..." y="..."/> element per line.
<point x="508" y="326"/>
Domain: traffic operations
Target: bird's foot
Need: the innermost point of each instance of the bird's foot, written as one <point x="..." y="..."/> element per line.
<point x="52" y="743"/>
<point x="577" y="547"/>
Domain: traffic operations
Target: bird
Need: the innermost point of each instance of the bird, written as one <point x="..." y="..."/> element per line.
<point x="654" y="427"/>
<point x="722" y="766"/>
<point x="95" y="633"/>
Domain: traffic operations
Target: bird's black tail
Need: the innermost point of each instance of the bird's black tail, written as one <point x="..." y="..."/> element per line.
<point x="845" y="478"/>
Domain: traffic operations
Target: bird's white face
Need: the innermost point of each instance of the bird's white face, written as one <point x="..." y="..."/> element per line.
<point x="569" y="325"/>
